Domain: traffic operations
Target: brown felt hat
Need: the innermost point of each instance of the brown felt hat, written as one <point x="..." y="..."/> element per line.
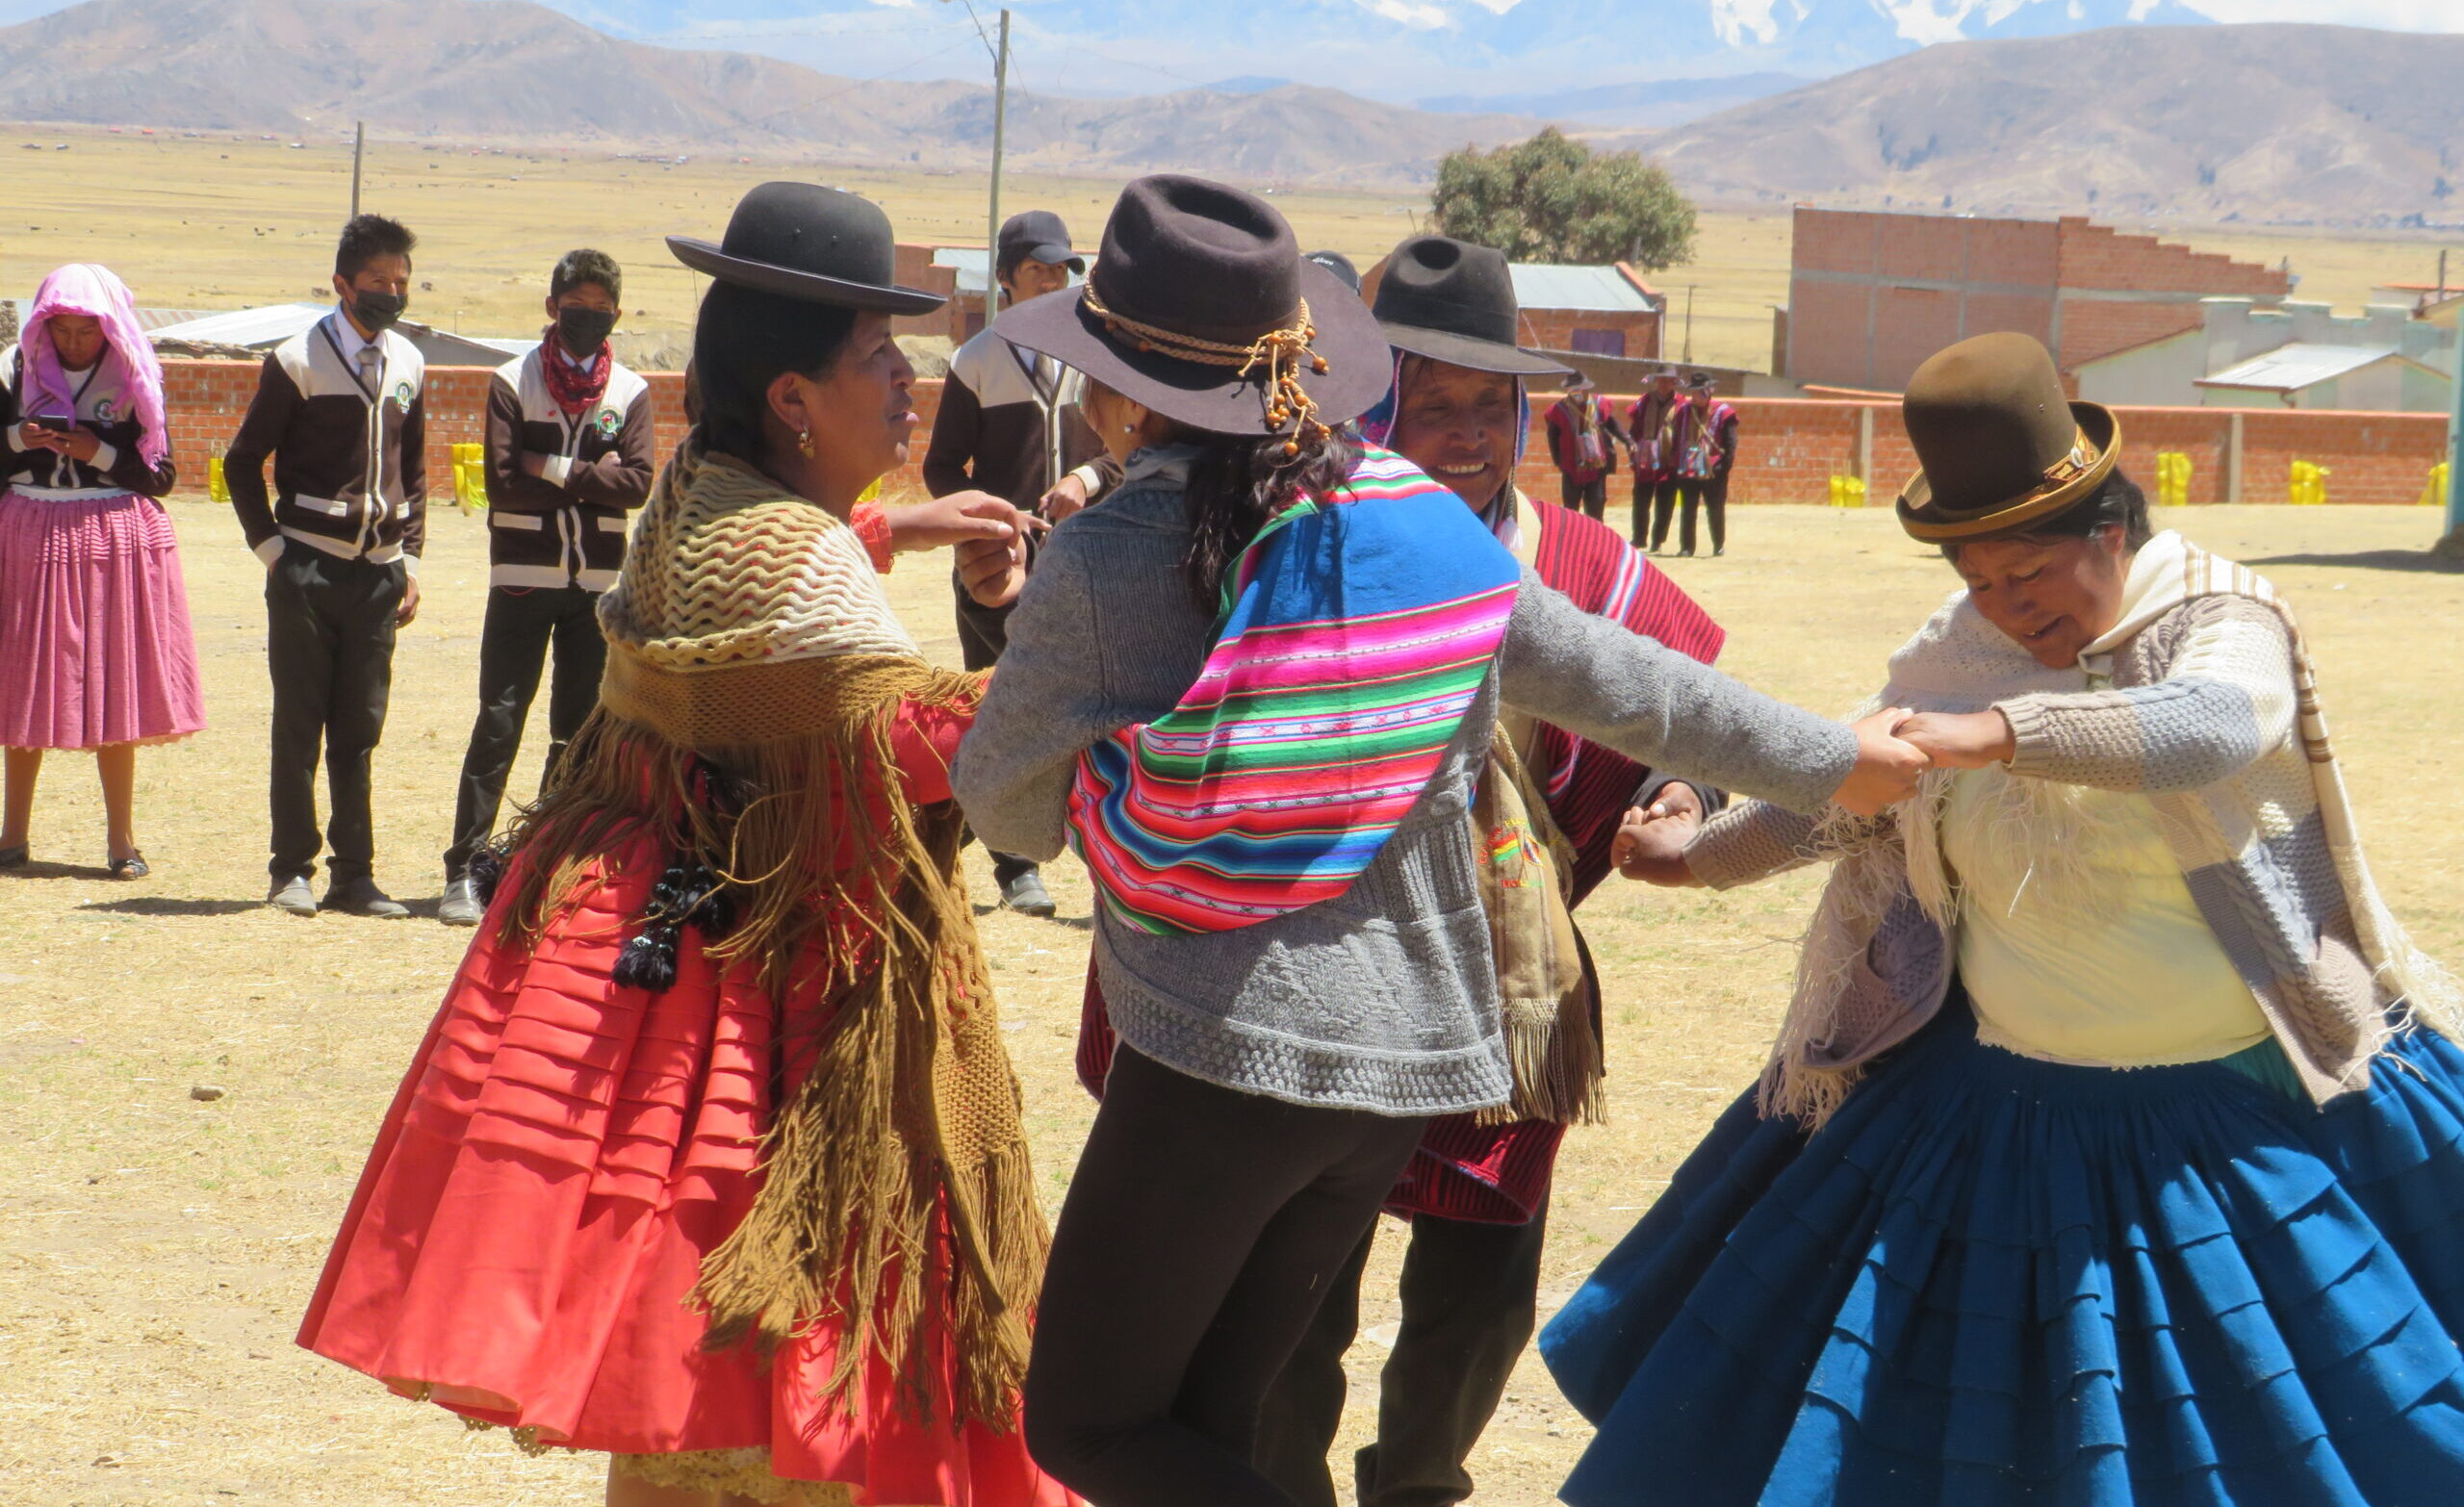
<point x="1999" y="444"/>
<point x="1202" y="308"/>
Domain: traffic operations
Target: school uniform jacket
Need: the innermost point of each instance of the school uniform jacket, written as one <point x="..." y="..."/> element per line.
<point x="349" y="449"/>
<point x="567" y="526"/>
<point x="1004" y="427"/>
<point x="104" y="410"/>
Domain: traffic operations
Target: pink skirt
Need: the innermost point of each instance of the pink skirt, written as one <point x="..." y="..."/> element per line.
<point x="96" y="647"/>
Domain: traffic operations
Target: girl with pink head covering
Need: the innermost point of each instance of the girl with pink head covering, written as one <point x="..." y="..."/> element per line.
<point x="96" y="653"/>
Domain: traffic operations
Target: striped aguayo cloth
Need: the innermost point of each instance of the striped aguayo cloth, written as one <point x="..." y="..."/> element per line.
<point x="1354" y="640"/>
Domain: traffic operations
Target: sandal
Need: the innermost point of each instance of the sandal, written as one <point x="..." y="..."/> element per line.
<point x="132" y="867"/>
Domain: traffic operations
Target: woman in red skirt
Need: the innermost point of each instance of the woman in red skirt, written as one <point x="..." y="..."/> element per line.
<point x="712" y="1159"/>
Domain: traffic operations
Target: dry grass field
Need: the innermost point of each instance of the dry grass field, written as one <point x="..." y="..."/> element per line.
<point x="157" y="1250"/>
<point x="210" y="221"/>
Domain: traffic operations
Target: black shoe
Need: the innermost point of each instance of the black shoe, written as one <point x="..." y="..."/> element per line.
<point x="1024" y="893"/>
<point x="360" y="897"/>
<point x="132" y="867"/>
<point x="1685" y="555"/>
<point x="1721" y="551"/>
<point x="15" y="857"/>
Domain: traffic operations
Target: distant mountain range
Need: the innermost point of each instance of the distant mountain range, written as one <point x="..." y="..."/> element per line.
<point x="1399" y="51"/>
<point x="2264" y="123"/>
<point x="509" y="71"/>
<point x="2287" y="124"/>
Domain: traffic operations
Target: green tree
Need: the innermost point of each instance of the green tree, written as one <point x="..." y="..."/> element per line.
<point x="1554" y="200"/>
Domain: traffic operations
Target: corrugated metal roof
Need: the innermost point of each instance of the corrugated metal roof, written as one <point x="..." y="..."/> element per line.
<point x="2289" y="368"/>
<point x="267" y="326"/>
<point x="1602" y="288"/>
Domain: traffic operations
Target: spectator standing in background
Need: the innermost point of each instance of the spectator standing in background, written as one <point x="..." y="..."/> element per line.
<point x="1710" y="451"/>
<point x="1582" y="440"/>
<point x="1010" y="423"/>
<point x="340" y="408"/>
<point x="570" y="453"/>
<point x="96" y="653"/>
<point x="1652" y="433"/>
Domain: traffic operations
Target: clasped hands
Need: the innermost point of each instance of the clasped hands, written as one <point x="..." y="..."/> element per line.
<point x="1894" y="747"/>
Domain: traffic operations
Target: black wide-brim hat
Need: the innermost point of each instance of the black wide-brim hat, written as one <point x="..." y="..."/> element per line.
<point x="2000" y="445"/>
<point x="1219" y="271"/>
<point x="814" y="244"/>
<point x="1453" y="301"/>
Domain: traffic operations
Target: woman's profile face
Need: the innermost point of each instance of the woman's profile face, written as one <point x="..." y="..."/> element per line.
<point x="77" y="338"/>
<point x="865" y="406"/>
<point x="2051" y="596"/>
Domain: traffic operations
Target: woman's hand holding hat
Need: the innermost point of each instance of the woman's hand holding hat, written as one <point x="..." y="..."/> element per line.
<point x="1886" y="768"/>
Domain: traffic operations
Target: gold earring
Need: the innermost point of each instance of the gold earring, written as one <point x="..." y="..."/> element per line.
<point x="803" y="441"/>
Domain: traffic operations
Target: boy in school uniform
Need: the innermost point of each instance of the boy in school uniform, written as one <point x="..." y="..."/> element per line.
<point x="341" y="409"/>
<point x="570" y="453"/>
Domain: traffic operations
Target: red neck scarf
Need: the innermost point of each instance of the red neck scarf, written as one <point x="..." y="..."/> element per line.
<point x="577" y="389"/>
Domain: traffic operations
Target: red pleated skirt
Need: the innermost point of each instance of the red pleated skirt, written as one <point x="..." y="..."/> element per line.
<point x="560" y="1158"/>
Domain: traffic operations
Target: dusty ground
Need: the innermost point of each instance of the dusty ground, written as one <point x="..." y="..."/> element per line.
<point x="214" y="221"/>
<point x="156" y="1250"/>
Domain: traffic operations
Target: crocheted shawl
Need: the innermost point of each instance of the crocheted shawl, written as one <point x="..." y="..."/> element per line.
<point x="1354" y="640"/>
<point x="754" y="676"/>
<point x="1957" y="662"/>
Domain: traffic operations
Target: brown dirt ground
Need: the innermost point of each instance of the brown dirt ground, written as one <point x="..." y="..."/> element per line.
<point x="157" y="1251"/>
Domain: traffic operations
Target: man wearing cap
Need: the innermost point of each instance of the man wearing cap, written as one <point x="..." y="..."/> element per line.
<point x="1476" y="1193"/>
<point x="1582" y="440"/>
<point x="1010" y="425"/>
<point x="1339" y="265"/>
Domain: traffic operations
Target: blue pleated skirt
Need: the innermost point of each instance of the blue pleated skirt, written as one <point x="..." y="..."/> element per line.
<point x="1991" y="1280"/>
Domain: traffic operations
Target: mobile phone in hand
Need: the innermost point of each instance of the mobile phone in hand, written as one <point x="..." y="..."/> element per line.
<point x="56" y="423"/>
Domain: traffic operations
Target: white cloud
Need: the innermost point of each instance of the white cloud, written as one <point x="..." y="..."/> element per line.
<point x="1425" y="17"/>
<point x="1745" y="23"/>
<point x="2409" y="16"/>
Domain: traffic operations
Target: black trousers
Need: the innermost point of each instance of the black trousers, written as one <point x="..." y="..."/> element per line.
<point x="1471" y="1300"/>
<point x="1713" y="496"/>
<point x="983" y="633"/>
<point x="329" y="646"/>
<point x="1590" y="497"/>
<point x="521" y="627"/>
<point x="1200" y="1232"/>
<point x="1655" y="504"/>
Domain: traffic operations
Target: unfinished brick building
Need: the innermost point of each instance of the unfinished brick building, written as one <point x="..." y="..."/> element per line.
<point x="1871" y="296"/>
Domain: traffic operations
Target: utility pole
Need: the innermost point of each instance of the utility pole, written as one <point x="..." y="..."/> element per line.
<point x="2452" y="545"/>
<point x="358" y="154"/>
<point x="1688" y="357"/>
<point x="992" y="216"/>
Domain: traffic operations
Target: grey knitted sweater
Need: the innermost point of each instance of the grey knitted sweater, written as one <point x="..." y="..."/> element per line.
<point x="1385" y="998"/>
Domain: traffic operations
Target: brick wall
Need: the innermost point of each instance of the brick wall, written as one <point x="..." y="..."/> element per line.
<point x="1554" y="329"/>
<point x="1872" y="295"/>
<point x="1791" y="447"/>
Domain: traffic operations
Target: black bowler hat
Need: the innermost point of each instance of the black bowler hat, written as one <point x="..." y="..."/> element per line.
<point x="814" y="244"/>
<point x="1039" y="236"/>
<point x="1198" y="303"/>
<point x="1339" y="265"/>
<point x="2001" y="445"/>
<point x="1453" y="301"/>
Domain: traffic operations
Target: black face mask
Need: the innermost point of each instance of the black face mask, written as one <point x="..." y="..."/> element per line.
<point x="376" y="312"/>
<point x="583" y="329"/>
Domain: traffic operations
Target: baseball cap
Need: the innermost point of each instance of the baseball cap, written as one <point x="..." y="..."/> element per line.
<point x="1039" y="234"/>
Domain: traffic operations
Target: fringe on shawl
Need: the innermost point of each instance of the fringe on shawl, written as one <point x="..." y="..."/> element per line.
<point x="1547" y="996"/>
<point x="910" y="1099"/>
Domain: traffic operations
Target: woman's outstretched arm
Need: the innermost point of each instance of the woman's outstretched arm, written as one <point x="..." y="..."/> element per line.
<point x="1045" y="707"/>
<point x="1597" y="681"/>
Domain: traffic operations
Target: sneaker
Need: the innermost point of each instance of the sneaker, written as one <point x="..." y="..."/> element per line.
<point x="460" y="905"/>
<point x="292" y="895"/>
<point x="1025" y="894"/>
<point x="360" y="897"/>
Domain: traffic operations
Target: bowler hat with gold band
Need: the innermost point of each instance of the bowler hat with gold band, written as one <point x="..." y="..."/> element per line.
<point x="2000" y="445"/>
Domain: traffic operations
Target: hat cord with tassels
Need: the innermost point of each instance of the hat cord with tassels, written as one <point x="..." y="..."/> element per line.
<point x="1280" y="351"/>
